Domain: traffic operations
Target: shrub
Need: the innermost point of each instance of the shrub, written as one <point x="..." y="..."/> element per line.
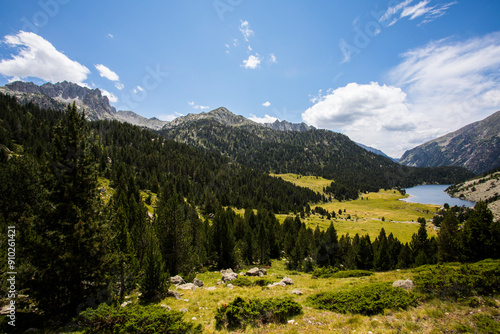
<point x="329" y="272"/>
<point x="486" y="324"/>
<point x="135" y="319"/>
<point x="239" y="313"/>
<point x="242" y="281"/>
<point x="368" y="300"/>
<point x="459" y="281"/>
<point x="245" y="281"/>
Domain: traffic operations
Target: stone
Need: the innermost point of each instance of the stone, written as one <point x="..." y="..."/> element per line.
<point x="287" y="281"/>
<point x="227" y="271"/>
<point x="212" y="288"/>
<point x="228" y="277"/>
<point x="187" y="286"/>
<point x="253" y="272"/>
<point x="185" y="310"/>
<point x="297" y="292"/>
<point x="174" y="294"/>
<point x="277" y="284"/>
<point x="177" y="280"/>
<point x="230" y="286"/>
<point x="198" y="283"/>
<point x="263" y="271"/>
<point x="125" y="303"/>
<point x="168" y="308"/>
<point x="405" y="284"/>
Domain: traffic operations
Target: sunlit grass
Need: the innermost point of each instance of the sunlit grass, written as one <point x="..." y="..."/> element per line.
<point x="315" y="183"/>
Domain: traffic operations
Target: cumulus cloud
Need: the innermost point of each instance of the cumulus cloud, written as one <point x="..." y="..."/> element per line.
<point x="272" y="58"/>
<point x="105" y="72"/>
<point x="436" y="89"/>
<point x="245" y="30"/>
<point x="366" y="113"/>
<point x="111" y="97"/>
<point x="265" y="119"/>
<point x="266" y="104"/>
<point x="196" y="106"/>
<point x="36" y="57"/>
<point x="422" y="9"/>
<point x="252" y="62"/>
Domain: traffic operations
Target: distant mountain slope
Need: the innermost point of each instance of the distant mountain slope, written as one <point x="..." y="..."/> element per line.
<point x="287" y="126"/>
<point x="376" y="151"/>
<point x="313" y="152"/>
<point x="484" y="188"/>
<point x="58" y="96"/>
<point x="475" y="147"/>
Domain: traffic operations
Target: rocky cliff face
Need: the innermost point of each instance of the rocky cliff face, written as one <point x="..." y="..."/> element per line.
<point x="287" y="126"/>
<point x="475" y="147"/>
<point x="58" y="96"/>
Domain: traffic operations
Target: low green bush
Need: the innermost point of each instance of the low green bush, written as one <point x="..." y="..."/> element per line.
<point x="134" y="319"/>
<point x="245" y="281"/>
<point x="255" y="312"/>
<point x="485" y="324"/>
<point x="367" y="300"/>
<point x="329" y="272"/>
<point x="452" y="281"/>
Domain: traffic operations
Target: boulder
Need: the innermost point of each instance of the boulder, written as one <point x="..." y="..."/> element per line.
<point x="174" y="294"/>
<point x="296" y="292"/>
<point x="184" y="310"/>
<point x="212" y="288"/>
<point x="230" y="286"/>
<point x="176" y="280"/>
<point x="287" y="281"/>
<point x="281" y="283"/>
<point x="187" y="286"/>
<point x="405" y="284"/>
<point x="227" y="271"/>
<point x="198" y="283"/>
<point x="253" y="272"/>
<point x="228" y="277"/>
<point x="263" y="271"/>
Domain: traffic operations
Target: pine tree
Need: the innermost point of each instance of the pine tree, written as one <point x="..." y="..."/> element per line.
<point x="448" y="239"/>
<point x="381" y="261"/>
<point x="155" y="279"/>
<point x="477" y="233"/>
<point x="72" y="260"/>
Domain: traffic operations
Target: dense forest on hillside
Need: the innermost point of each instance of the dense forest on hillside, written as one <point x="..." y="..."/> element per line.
<point x="314" y="152"/>
<point x="71" y="244"/>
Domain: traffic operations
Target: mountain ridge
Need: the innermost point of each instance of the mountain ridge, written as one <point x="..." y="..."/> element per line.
<point x="475" y="146"/>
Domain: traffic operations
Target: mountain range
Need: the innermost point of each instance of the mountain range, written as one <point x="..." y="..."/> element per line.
<point x="475" y="147"/>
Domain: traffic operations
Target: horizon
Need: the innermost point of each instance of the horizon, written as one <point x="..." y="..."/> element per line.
<point x="346" y="67"/>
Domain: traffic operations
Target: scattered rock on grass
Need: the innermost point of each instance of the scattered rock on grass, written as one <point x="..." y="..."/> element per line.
<point x="405" y="284"/>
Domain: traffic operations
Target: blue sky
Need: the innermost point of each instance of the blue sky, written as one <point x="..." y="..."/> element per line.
<point x="389" y="74"/>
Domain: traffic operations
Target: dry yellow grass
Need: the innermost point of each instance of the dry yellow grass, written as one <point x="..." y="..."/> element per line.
<point x="432" y="316"/>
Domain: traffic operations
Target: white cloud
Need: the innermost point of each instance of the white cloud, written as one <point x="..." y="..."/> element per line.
<point x="252" y="62"/>
<point x="452" y="83"/>
<point x="249" y="48"/>
<point x="436" y="89"/>
<point x="266" y="104"/>
<point x="370" y="114"/>
<point x="272" y="58"/>
<point x="38" y="58"/>
<point x="111" y="97"/>
<point x="111" y="36"/>
<point x="107" y="73"/>
<point x="170" y="117"/>
<point x="265" y="119"/>
<point x="245" y="30"/>
<point x="422" y="9"/>
<point x="196" y="106"/>
<point x="119" y="85"/>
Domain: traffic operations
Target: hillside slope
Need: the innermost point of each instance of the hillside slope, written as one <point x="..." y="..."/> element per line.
<point x="484" y="188"/>
<point x="475" y="147"/>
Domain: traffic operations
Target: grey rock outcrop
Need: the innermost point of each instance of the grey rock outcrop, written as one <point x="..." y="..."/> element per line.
<point x="405" y="284"/>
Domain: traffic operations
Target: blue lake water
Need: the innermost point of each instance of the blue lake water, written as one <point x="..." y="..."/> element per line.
<point x="434" y="194"/>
